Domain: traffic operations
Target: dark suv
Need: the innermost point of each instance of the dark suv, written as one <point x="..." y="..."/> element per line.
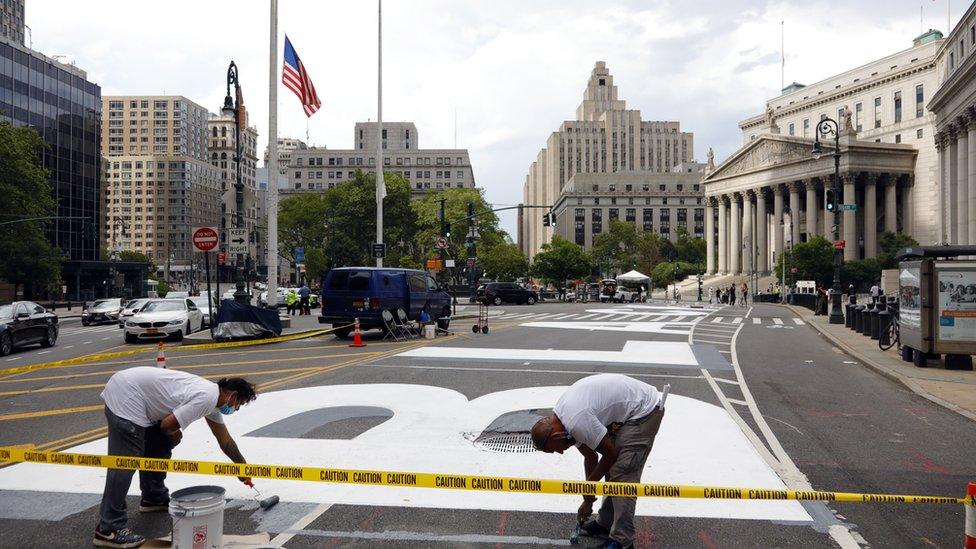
<point x="497" y="293"/>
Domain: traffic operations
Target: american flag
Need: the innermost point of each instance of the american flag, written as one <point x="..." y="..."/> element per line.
<point x="295" y="78"/>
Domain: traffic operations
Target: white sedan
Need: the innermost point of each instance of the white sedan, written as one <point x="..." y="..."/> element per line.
<point x="161" y="318"/>
<point x="205" y="306"/>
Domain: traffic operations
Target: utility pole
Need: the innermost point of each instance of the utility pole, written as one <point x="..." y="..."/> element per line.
<point x="272" y="196"/>
<point x="380" y="185"/>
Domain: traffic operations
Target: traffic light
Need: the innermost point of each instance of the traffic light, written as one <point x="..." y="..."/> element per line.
<point x="552" y="218"/>
<point x="545" y="220"/>
<point x="447" y="230"/>
<point x="830" y="201"/>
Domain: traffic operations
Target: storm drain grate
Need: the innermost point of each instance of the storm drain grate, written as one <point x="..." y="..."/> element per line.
<point x="505" y="443"/>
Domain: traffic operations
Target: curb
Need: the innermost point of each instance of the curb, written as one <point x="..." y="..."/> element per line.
<point x="906" y="381"/>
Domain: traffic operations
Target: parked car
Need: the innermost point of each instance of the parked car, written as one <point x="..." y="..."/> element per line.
<point x="608" y="289"/>
<point x="177" y="295"/>
<point x="206" y="307"/>
<point x="365" y="292"/>
<point x="131" y="308"/>
<point x="496" y="293"/>
<point x="162" y="318"/>
<point x="313" y="298"/>
<point x="103" y="310"/>
<point x="25" y="323"/>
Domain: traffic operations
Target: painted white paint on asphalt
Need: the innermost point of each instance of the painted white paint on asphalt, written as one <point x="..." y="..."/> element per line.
<point x="584" y="317"/>
<point x="633" y="352"/>
<point x="777" y="321"/>
<point x="737" y="320"/>
<point x="798" y="321"/>
<point x="431" y="431"/>
<point x="610" y="326"/>
<point x="756" y="320"/>
<point x="718" y="320"/>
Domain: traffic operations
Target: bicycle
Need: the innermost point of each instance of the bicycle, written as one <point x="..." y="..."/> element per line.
<point x="892" y="335"/>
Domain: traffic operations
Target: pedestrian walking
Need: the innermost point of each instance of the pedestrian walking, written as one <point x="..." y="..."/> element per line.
<point x="745" y="294"/>
<point x="732" y="295"/>
<point x="303" y="297"/>
<point x="612" y="420"/>
<point x="291" y="300"/>
<point x="710" y="292"/>
<point x="147" y="410"/>
<point x="875" y="293"/>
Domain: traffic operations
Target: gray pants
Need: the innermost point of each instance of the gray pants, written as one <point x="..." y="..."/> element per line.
<point x="634" y="442"/>
<point x="128" y="439"/>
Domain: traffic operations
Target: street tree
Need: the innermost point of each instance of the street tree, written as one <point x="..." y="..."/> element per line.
<point x="504" y="261"/>
<point x="616" y="248"/>
<point x="812" y="259"/>
<point x="688" y="248"/>
<point x="26" y="256"/>
<point x="561" y="260"/>
<point x="892" y="243"/>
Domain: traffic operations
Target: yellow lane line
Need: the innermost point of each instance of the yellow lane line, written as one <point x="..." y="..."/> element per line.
<point x="55" y="412"/>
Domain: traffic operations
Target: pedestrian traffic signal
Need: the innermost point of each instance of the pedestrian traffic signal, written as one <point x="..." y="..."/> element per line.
<point x="830" y="201"/>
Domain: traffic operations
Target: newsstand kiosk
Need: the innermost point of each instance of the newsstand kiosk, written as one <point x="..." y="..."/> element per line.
<point x="937" y="305"/>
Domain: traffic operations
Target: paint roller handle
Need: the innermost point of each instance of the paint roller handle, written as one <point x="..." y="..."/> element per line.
<point x="247" y="481"/>
<point x="664" y="394"/>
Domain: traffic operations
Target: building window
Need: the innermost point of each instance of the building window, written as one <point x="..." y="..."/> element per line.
<point x="840" y="114"/>
<point x="580" y="221"/>
<point x="792" y="128"/>
<point x="918" y="133"/>
<point x="648" y="219"/>
<point x="806" y="127"/>
<point x="596" y="220"/>
<point x="919" y="101"/>
<point x="897" y="138"/>
<point x="631" y="215"/>
<point x="877" y="112"/>
<point x="897" y="107"/>
<point x="858" y="111"/>
<point x="614" y="214"/>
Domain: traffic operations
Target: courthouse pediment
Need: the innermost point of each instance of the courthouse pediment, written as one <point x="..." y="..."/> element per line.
<point x="764" y="152"/>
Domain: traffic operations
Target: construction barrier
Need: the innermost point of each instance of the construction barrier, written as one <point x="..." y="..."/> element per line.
<point x="198" y="347"/>
<point x="455" y="482"/>
<point x="971" y="516"/>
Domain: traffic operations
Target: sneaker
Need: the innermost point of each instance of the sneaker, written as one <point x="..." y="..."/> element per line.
<point x="594" y="529"/>
<point x="148" y="506"/>
<point x="122" y="538"/>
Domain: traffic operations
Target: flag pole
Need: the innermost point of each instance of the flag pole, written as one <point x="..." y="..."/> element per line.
<point x="272" y="166"/>
<point x="380" y="185"/>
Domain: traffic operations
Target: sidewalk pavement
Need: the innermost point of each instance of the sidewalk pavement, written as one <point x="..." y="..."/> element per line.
<point x="953" y="389"/>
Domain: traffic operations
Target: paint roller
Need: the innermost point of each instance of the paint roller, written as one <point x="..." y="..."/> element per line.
<point x="266" y="503"/>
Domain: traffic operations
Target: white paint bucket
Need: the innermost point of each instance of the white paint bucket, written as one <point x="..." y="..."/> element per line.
<point x="430" y="331"/>
<point x="198" y="517"/>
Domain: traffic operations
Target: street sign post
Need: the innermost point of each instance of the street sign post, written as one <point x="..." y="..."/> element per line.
<point x="205" y="239"/>
<point x="221" y="257"/>
<point x="299" y="256"/>
<point x="237" y="241"/>
<point x="379" y="250"/>
<point x="848" y="207"/>
<point x="840" y="244"/>
<point x="440" y="243"/>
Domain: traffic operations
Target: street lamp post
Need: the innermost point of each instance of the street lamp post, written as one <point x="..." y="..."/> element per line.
<point x="827" y="127"/>
<point x="233" y="108"/>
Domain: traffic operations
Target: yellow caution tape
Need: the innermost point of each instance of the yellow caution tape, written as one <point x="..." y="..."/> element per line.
<point x="198" y="347"/>
<point x="449" y="481"/>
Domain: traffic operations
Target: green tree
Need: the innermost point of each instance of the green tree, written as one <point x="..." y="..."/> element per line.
<point x="561" y="260"/>
<point x="813" y="260"/>
<point x="616" y="247"/>
<point x="26" y="256"/>
<point x="649" y="251"/>
<point x="668" y="272"/>
<point x="689" y="249"/>
<point x="504" y="262"/>
<point x="892" y="243"/>
<point x="862" y="273"/>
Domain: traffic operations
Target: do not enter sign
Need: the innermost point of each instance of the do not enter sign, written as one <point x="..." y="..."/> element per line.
<point x="205" y="239"/>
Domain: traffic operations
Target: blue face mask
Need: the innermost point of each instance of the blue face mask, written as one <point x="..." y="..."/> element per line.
<point x="227" y="409"/>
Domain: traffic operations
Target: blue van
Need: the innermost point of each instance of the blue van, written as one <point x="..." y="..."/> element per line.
<point x="349" y="293"/>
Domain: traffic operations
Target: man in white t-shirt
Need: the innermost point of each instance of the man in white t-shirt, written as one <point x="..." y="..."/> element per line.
<point x="147" y="410"/>
<point x="612" y="420"/>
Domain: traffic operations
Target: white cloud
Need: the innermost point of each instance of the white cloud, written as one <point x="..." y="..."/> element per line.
<point x="512" y="70"/>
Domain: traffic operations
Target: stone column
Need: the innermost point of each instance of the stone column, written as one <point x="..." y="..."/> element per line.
<point x="952" y="188"/>
<point x="709" y="237"/>
<point x="762" y="231"/>
<point x="908" y="202"/>
<point x="723" y="235"/>
<point x="971" y="210"/>
<point x="870" y="216"/>
<point x="748" y="240"/>
<point x="891" y="203"/>
<point x="778" y="246"/>
<point x="962" y="192"/>
<point x="942" y="236"/>
<point x="735" y="236"/>
<point x="812" y="210"/>
<point x="795" y="210"/>
<point x="850" y="217"/>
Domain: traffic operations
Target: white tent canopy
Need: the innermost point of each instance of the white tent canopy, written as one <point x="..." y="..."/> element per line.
<point x="633" y="276"/>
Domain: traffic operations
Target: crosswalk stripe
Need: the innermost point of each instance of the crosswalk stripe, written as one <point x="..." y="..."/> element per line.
<point x="642" y="316"/>
<point x="737" y="320"/>
<point x="718" y="320"/>
<point x="603" y="317"/>
<point x="562" y="316"/>
<point x="586" y="316"/>
<point x="798" y="321"/>
<point x="658" y="318"/>
<point x="756" y="320"/>
<point x="627" y="316"/>
<point x="777" y="321"/>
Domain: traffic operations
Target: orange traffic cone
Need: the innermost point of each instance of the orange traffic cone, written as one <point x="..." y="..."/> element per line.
<point x="357" y="338"/>
<point x="160" y="357"/>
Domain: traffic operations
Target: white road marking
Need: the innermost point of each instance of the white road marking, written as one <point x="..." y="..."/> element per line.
<point x="633" y="352"/>
<point x="737" y="320"/>
<point x="584" y="317"/>
<point x="14" y="358"/>
<point x="69" y="346"/>
<point x="756" y="320"/>
<point x="718" y="320"/>
<point x="611" y="326"/>
<point x="562" y="316"/>
<point x="300" y="524"/>
<point x="106" y="338"/>
<point x="798" y="321"/>
<point x="527" y="370"/>
<point x="87" y="343"/>
<point x="43" y="352"/>
<point x="604" y="317"/>
<point x="777" y="321"/>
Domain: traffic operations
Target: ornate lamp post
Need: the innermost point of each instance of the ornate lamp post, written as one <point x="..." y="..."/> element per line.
<point x="826" y="128"/>
<point x="232" y="108"/>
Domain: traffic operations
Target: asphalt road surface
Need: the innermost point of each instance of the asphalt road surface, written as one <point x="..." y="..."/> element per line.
<point x="758" y="399"/>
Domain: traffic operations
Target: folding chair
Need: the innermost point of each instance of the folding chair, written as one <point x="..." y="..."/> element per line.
<point x="405" y="325"/>
<point x="390" y="328"/>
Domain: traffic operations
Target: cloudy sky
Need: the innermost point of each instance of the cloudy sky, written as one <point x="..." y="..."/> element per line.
<point x="511" y="70"/>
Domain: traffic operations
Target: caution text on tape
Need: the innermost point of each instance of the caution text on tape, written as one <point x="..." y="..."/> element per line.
<point x="450" y="481"/>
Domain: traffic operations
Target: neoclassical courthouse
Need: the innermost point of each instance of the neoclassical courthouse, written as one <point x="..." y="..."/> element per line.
<point x="907" y="159"/>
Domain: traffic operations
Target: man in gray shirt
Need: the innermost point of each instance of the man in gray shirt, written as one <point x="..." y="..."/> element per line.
<point x="612" y="420"/>
<point x="147" y="410"/>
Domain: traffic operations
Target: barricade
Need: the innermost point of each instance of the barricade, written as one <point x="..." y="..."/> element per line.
<point x="456" y="481"/>
<point x="971" y="516"/>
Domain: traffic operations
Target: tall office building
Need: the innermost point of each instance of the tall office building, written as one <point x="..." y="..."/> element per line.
<point x="65" y="108"/>
<point x="605" y="138"/>
<point x="286" y="146"/>
<point x="158" y="182"/>
<point x="427" y="170"/>
<point x="12" y="20"/>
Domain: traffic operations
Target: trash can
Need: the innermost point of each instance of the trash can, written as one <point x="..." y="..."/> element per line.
<point x="198" y="517"/>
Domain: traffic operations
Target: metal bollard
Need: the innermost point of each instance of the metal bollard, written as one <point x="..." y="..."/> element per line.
<point x="875" y="330"/>
<point x="847" y="315"/>
<point x="859" y="318"/>
<point x="866" y="321"/>
<point x="884" y="322"/>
